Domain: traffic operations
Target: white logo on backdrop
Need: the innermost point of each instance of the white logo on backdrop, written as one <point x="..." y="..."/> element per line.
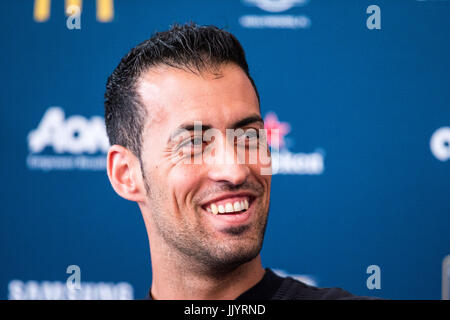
<point x="57" y="290"/>
<point x="440" y="144"/>
<point x="288" y="162"/>
<point x="275" y="20"/>
<point x="75" y="142"/>
<point x="275" y="5"/>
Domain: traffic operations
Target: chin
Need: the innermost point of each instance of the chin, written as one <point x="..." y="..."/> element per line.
<point x="229" y="258"/>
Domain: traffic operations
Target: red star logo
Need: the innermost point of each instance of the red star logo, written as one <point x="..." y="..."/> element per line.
<point x="271" y="123"/>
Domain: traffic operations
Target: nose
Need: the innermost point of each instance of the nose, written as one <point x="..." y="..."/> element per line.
<point x="234" y="174"/>
<point x="225" y="167"/>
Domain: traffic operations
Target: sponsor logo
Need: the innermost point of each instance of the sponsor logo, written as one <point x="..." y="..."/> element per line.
<point x="440" y="144"/>
<point x="67" y="144"/>
<point x="286" y="162"/>
<point x="57" y="290"/>
<point x="105" y="9"/>
<point x="275" y="20"/>
<point x="275" y="5"/>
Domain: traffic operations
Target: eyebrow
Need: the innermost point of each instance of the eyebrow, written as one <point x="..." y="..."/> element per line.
<point x="190" y="126"/>
<point x="252" y="119"/>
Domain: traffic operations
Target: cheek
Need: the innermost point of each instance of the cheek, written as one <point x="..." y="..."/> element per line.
<point x="265" y="178"/>
<point x="184" y="181"/>
<point x="260" y="172"/>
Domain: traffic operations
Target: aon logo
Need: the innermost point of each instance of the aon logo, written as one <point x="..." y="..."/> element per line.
<point x="74" y="135"/>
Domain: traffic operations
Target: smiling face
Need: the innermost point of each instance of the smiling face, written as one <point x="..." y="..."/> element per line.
<point x="212" y="211"/>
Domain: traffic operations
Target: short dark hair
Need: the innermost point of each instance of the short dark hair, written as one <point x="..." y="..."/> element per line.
<point x="190" y="47"/>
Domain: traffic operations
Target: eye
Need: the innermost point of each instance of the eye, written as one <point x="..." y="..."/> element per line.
<point x="249" y="138"/>
<point x="191" y="145"/>
<point x="252" y="134"/>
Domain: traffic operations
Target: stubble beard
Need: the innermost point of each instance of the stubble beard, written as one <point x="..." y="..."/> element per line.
<point x="198" y="248"/>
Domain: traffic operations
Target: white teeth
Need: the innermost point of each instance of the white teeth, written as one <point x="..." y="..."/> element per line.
<point x="214" y="209"/>
<point x="228" y="207"/>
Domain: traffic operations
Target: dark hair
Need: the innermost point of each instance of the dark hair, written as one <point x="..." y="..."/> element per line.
<point x="190" y="47"/>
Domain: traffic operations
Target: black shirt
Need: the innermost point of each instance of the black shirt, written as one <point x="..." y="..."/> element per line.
<point x="274" y="287"/>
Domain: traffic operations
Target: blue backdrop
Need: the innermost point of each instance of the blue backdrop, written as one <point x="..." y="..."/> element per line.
<point x="365" y="173"/>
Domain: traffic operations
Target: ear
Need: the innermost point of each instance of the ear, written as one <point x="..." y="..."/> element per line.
<point x="124" y="173"/>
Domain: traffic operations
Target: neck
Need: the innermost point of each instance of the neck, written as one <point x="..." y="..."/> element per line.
<point x="179" y="281"/>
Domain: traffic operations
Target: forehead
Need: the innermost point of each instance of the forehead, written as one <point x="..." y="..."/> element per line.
<point x="172" y="96"/>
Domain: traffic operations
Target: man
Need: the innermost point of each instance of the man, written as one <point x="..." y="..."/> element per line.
<point x="169" y="106"/>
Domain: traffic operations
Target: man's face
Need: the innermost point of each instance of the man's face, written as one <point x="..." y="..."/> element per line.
<point x="184" y="195"/>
